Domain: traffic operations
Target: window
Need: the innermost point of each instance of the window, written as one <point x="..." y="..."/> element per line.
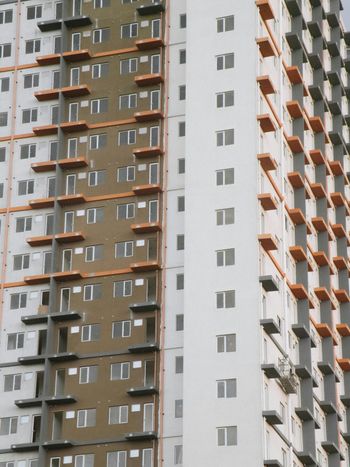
<point x="8" y="425"/>
<point x="225" y="177"/>
<point x="12" y="382"/>
<point x="180" y="281"/>
<point x="18" y="300"/>
<point x="126" y="211"/>
<point x="121" y="329"/>
<point x="147" y="457"/>
<point x="128" y="65"/>
<point x="54" y="114"/>
<point x="33" y="46"/>
<point x="225" y="137"/>
<point x="182" y="92"/>
<point x="92" y="292"/>
<point x="94" y="215"/>
<point x="99" y="70"/>
<point x="225" y="216"/>
<point x="93" y="253"/>
<point x="126" y="137"/>
<point x="2" y="154"/>
<point x="53" y="150"/>
<point x="97" y="177"/>
<point x="6" y="16"/>
<point x="225" y="257"/>
<point x="178" y="454"/>
<point x="5" y="50"/>
<point x="98" y="141"/>
<point x="88" y="374"/>
<point x="180" y="204"/>
<point x="15" y="341"/>
<point x="56" y="77"/>
<point x="180" y="242"/>
<point x="1" y="190"/>
<point x="86" y="418"/>
<point x="4" y="84"/>
<point x="101" y="35"/>
<point x="183" y="21"/>
<point x="75" y="76"/>
<point x="34" y="12"/>
<point x="126" y="174"/>
<point x="75" y="41"/>
<point x="223" y="62"/>
<point x="180" y="322"/>
<point x="227" y="436"/>
<point x="99" y="106"/>
<point x="179" y="365"/>
<point x="101" y="3"/>
<point x="224" y="99"/>
<point x="11" y="464"/>
<point x="23" y="224"/>
<point x="226" y="343"/>
<point x="226" y="388"/>
<point x="29" y="115"/>
<point x="127" y="31"/>
<point x="182" y="56"/>
<point x="73" y="112"/>
<point x="227" y="23"/>
<point x="20" y="262"/>
<point x="28" y="151"/>
<point x="116" y="459"/>
<point x="122" y="289"/>
<point x="90" y="333"/>
<point x="31" y="81"/>
<point x="154" y="136"/>
<point x="84" y="460"/>
<point x="225" y="299"/>
<point x="182" y="129"/>
<point x="128" y="101"/>
<point x="120" y="371"/>
<point x="124" y="249"/>
<point x="3" y="118"/>
<point x="72" y="147"/>
<point x="118" y="415"/>
<point x="179" y="408"/>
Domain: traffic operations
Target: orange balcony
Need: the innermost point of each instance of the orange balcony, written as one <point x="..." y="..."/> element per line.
<point x="70" y="127"/>
<point x="319" y="223"/>
<point x="336" y="168"/>
<point x="148" y="115"/>
<point x="316" y="124"/>
<point x="67" y="200"/>
<point x="299" y="291"/>
<point x="47" y="95"/>
<point x="266" y="47"/>
<point x="343" y="329"/>
<point x="152" y="151"/>
<point x="76" y="91"/>
<point x="145" y="266"/>
<point x="46" y="166"/>
<point x="317" y="157"/>
<point x="268" y="202"/>
<point x="40" y="241"/>
<point x="45" y="130"/>
<point x="267" y="162"/>
<point x="341" y="295"/>
<point x="149" y="44"/>
<point x="265" y="9"/>
<point x="320" y="258"/>
<point x="296" y="180"/>
<point x="338" y="199"/>
<point x="294" y="109"/>
<point x="149" y="189"/>
<point x="42" y="203"/>
<point x="294" y="74"/>
<point x="77" y="55"/>
<point x="323" y="329"/>
<point x="69" y="237"/>
<point x="67" y="276"/>
<point x="266" y="85"/>
<point x="148" y="80"/>
<point x="72" y="163"/>
<point x="340" y="262"/>
<point x="146" y="227"/>
<point x="38" y="279"/>
<point x="318" y="190"/>
<point x="268" y="242"/>
<point x="298" y="253"/>
<point x="295" y="144"/>
<point x="45" y="60"/>
<point x="322" y="294"/>
<point x="266" y="123"/>
<point x="338" y="230"/>
<point x="344" y="364"/>
<point x="297" y="216"/>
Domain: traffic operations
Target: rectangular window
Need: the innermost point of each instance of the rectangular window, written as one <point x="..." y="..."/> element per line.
<point x="93" y="253"/>
<point x="20" y="262"/>
<point x="180" y="281"/>
<point x="182" y="92"/>
<point x="33" y="46"/>
<point x="225" y="177"/>
<point x="225" y="299"/>
<point x="180" y="204"/>
<point x="4" y="84"/>
<point x="90" y="333"/>
<point x="98" y="141"/>
<point x="225" y="137"/>
<point x="116" y="459"/>
<point x="97" y="177"/>
<point x="72" y="147"/>
<point x="2" y="154"/>
<point x="8" y="426"/>
<point x="182" y="56"/>
<point x="6" y="16"/>
<point x="99" y="70"/>
<point x="128" y="66"/>
<point x="226" y="343"/>
<point x="226" y="23"/>
<point x="180" y="242"/>
<point x="179" y="365"/>
<point x="226" y="388"/>
<point x="128" y="101"/>
<point x="120" y="371"/>
<point x="224" y="62"/>
<point x="53" y="150"/>
<point x="31" y="81"/>
<point x="99" y="106"/>
<point x="121" y="329"/>
<point x="122" y="289"/>
<point x="88" y="374"/>
<point x="101" y="35"/>
<point x="92" y="292"/>
<point x="124" y="249"/>
<point x="225" y="216"/>
<point x="180" y="322"/>
<point x="182" y="129"/>
<point x="126" y="211"/>
<point x="126" y="137"/>
<point x="3" y="118"/>
<point x="12" y="382"/>
<point x="118" y="415"/>
<point x="94" y="215"/>
<point x="126" y="174"/>
<point x="29" y="115"/>
<point x="179" y="408"/>
<point x="84" y="460"/>
<point x="5" y="50"/>
<point x="15" y="341"/>
<point x="224" y="99"/>
<point x="183" y="21"/>
<point x="227" y="436"/>
<point x="34" y="12"/>
<point x="102" y="3"/>
<point x="18" y="301"/>
<point x="24" y="224"/>
<point x="225" y="257"/>
<point x="178" y="454"/>
<point x="127" y="31"/>
<point x="28" y="151"/>
<point x="86" y="418"/>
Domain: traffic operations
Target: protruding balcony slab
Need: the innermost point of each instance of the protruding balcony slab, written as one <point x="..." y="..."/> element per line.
<point x="149" y="44"/>
<point x="47" y="95"/>
<point x="270" y="326"/>
<point x="149" y="189"/>
<point x="148" y="115"/>
<point x="153" y="151"/>
<point x="77" y="55"/>
<point x="40" y="241"/>
<point x="142" y="391"/>
<point x="341" y="295"/>
<point x="50" y="25"/>
<point x="266" y="47"/>
<point x="268" y="283"/>
<point x="32" y="360"/>
<point x="299" y="291"/>
<point x="323" y="329"/>
<point x="143" y="348"/>
<point x="265" y="9"/>
<point x="63" y="357"/>
<point x="298" y="253"/>
<point x="268" y="242"/>
<point x="295" y="144"/>
<point x="317" y="156"/>
<point x="45" y="130"/>
<point x="272" y="417"/>
<point x="72" y="127"/>
<point x="272" y="463"/>
<point x="344" y="364"/>
<point x="77" y="21"/>
<point x="76" y="91"/>
<point x="268" y="202"/>
<point x="23" y="447"/>
<point x="151" y="9"/>
<point x="67" y="276"/>
<point x="336" y="168"/>
<point x="338" y="230"/>
<point x="296" y="180"/>
<point x="318" y="190"/>
<point x="329" y="447"/>
<point x="34" y="319"/>
<point x="338" y="199"/>
<point x="304" y="414"/>
<point x="69" y="237"/>
<point x="37" y="279"/>
<point x="319" y="223"/>
<point x="266" y="123"/>
<point x="146" y="227"/>
<point x="317" y="124"/>
<point x="65" y="316"/>
<point x="68" y="200"/>
<point x="58" y="444"/>
<point x="148" y="80"/>
<point x="24" y="403"/>
<point x="306" y="458"/>
<point x="294" y="109"/>
<point x="145" y="266"/>
<point x="343" y="329"/>
<point x="144" y="307"/>
<point x="72" y="163"/>
<point x="322" y="294"/>
<point x="46" y="60"/>
<point x="42" y="203"/>
<point x="267" y="162"/>
<point x="60" y="399"/>
<point x="294" y="74"/>
<point x="271" y="370"/>
<point x="297" y="216"/>
<point x="266" y="85"/>
<point x="46" y="166"/>
<point x="300" y="331"/>
<point x="325" y="367"/>
<point x="141" y="436"/>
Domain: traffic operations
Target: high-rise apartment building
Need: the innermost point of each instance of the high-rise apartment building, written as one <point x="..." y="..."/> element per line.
<point x="174" y="208"/>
